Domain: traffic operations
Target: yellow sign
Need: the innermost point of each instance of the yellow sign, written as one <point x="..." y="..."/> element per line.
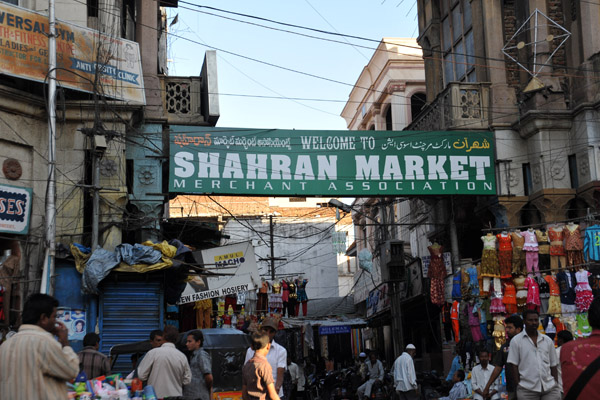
<point x="81" y="54"/>
<point x="230" y="256"/>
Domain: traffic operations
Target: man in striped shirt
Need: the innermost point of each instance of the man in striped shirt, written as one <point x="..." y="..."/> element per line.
<point x="33" y="365"/>
<point x="91" y="361"/>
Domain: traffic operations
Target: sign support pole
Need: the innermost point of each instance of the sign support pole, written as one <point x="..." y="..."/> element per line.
<point x="48" y="272"/>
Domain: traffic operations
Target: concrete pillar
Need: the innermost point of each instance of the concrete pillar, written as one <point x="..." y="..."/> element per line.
<point x="147" y="30"/>
<point x="590" y="34"/>
<point x="502" y="97"/>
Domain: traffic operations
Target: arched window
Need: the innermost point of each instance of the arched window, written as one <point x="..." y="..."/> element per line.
<point x="417" y="102"/>
<point x="388" y="119"/>
<point x="372" y="128"/>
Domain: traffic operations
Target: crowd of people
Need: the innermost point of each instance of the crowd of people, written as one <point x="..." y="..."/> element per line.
<point x="41" y="362"/>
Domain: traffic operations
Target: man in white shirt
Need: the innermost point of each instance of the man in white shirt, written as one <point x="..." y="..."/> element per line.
<point x="165" y="367"/>
<point x="533" y="363"/>
<point x="405" y="378"/>
<point x="277" y="355"/>
<point x="376" y="373"/>
<point x="480" y="376"/>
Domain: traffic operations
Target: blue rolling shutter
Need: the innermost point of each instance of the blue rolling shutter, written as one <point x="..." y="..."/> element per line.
<point x="128" y="312"/>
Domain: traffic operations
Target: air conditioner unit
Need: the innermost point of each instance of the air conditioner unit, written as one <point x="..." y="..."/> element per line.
<point x="392" y="261"/>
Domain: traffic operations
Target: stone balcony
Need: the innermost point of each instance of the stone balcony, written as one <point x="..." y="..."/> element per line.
<point x="461" y="106"/>
<point x="182" y="99"/>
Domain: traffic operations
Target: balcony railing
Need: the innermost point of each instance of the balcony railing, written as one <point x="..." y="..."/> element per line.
<point x="182" y="99"/>
<point x="461" y="106"/>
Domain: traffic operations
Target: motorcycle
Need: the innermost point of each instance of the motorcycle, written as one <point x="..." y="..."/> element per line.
<point x="432" y="386"/>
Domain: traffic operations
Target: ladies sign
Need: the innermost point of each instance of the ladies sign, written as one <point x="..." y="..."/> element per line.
<point x="330" y="163"/>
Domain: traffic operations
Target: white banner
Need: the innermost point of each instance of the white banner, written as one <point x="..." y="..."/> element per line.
<point x="237" y="260"/>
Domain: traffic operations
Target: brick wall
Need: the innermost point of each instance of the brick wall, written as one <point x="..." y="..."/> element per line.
<point x="556" y="14"/>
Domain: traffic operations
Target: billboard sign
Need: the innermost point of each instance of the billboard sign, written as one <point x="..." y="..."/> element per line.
<point x="274" y="162"/>
<point x="237" y="269"/>
<point x="15" y="209"/>
<point x="80" y="53"/>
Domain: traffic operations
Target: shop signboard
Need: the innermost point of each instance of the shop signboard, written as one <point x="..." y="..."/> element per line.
<point x="15" y="209"/>
<point x="274" y="162"/>
<point x="236" y="268"/>
<point x="379" y="300"/>
<point x="80" y="54"/>
<point x="334" y="330"/>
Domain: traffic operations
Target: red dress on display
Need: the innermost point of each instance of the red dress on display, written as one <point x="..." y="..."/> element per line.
<point x="437" y="274"/>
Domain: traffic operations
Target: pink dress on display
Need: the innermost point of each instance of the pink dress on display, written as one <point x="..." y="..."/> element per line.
<point x="533" y="293"/>
<point x="583" y="291"/>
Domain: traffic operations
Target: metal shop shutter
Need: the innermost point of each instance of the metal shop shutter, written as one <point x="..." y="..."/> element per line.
<point x="128" y="312"/>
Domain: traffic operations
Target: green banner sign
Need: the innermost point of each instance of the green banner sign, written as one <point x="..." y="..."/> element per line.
<point x="277" y="162"/>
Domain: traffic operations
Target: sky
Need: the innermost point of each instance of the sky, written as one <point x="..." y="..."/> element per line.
<point x="260" y="94"/>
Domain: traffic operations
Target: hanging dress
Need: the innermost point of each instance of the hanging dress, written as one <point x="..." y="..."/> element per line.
<point x="533" y="294"/>
<point x="510" y="297"/>
<point x="544" y="294"/>
<point x="473" y="282"/>
<point x="554" y="307"/>
<point x="489" y="258"/>
<point x="275" y="298"/>
<point x="456" y="283"/>
<point x="437" y="274"/>
<point x="583" y="291"/>
<point x="519" y="282"/>
<point x="557" y="249"/>
<point x="518" y="259"/>
<point x="573" y="245"/>
<point x="497" y="306"/>
<point x="505" y="254"/>
<point x="543" y="250"/>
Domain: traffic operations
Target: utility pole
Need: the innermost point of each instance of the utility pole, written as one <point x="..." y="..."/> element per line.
<point x="272" y="248"/>
<point x="272" y="259"/>
<point x="48" y="271"/>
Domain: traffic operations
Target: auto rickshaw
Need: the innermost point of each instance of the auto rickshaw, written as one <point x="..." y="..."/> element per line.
<point x="226" y="347"/>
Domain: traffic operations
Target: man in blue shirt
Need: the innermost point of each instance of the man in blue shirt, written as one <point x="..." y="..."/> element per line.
<point x="459" y="390"/>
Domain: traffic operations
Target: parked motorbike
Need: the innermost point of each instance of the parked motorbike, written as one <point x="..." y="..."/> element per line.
<point x="347" y="383"/>
<point x="432" y="386"/>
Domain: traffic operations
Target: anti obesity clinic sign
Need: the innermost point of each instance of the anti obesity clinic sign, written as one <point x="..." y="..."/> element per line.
<point x="15" y="209"/>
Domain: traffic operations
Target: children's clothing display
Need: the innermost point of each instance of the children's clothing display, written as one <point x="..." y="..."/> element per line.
<point x="583" y="291"/>
<point x="567" y="282"/>
<point x="543" y="249"/>
<point x="583" y="325"/>
<point x="519" y="282"/>
<point x="302" y="297"/>
<point x="454" y="312"/>
<point x="554" y="306"/>
<point x="437" y="274"/>
<point x="497" y="306"/>
<point x="531" y="251"/>
<point x="533" y="294"/>
<point x="285" y="296"/>
<point x="292" y="299"/>
<point x="558" y="257"/>
<point x="489" y="257"/>
<point x="263" y="297"/>
<point x="505" y="254"/>
<point x="573" y="244"/>
<point x="510" y="297"/>
<point x="276" y="298"/>
<point x="473" y="282"/>
<point x="518" y="259"/>
<point x="544" y="294"/>
<point x="591" y="243"/>
<point x="456" y="283"/>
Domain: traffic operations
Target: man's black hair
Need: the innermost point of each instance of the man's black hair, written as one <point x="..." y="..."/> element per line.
<point x="171" y="334"/>
<point x="90" y="339"/>
<point x="515" y="320"/>
<point x="565" y="336"/>
<point x="482" y="350"/>
<point x="197" y="335"/>
<point x="594" y="314"/>
<point x="527" y="312"/>
<point x="37" y="305"/>
<point x="155" y="333"/>
<point x="461" y="374"/>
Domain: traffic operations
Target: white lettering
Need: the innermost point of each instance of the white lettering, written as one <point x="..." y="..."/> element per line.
<point x="436" y="167"/>
<point x="327" y="166"/>
<point x="367" y="168"/>
<point x="208" y="165"/>
<point x="184" y="168"/>
<point x="233" y="167"/>
<point x="304" y="169"/>
<point x="257" y="166"/>
<point x="280" y="167"/>
<point x="414" y="167"/>
<point x="391" y="168"/>
<point x="479" y="162"/>
<point x="457" y="171"/>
